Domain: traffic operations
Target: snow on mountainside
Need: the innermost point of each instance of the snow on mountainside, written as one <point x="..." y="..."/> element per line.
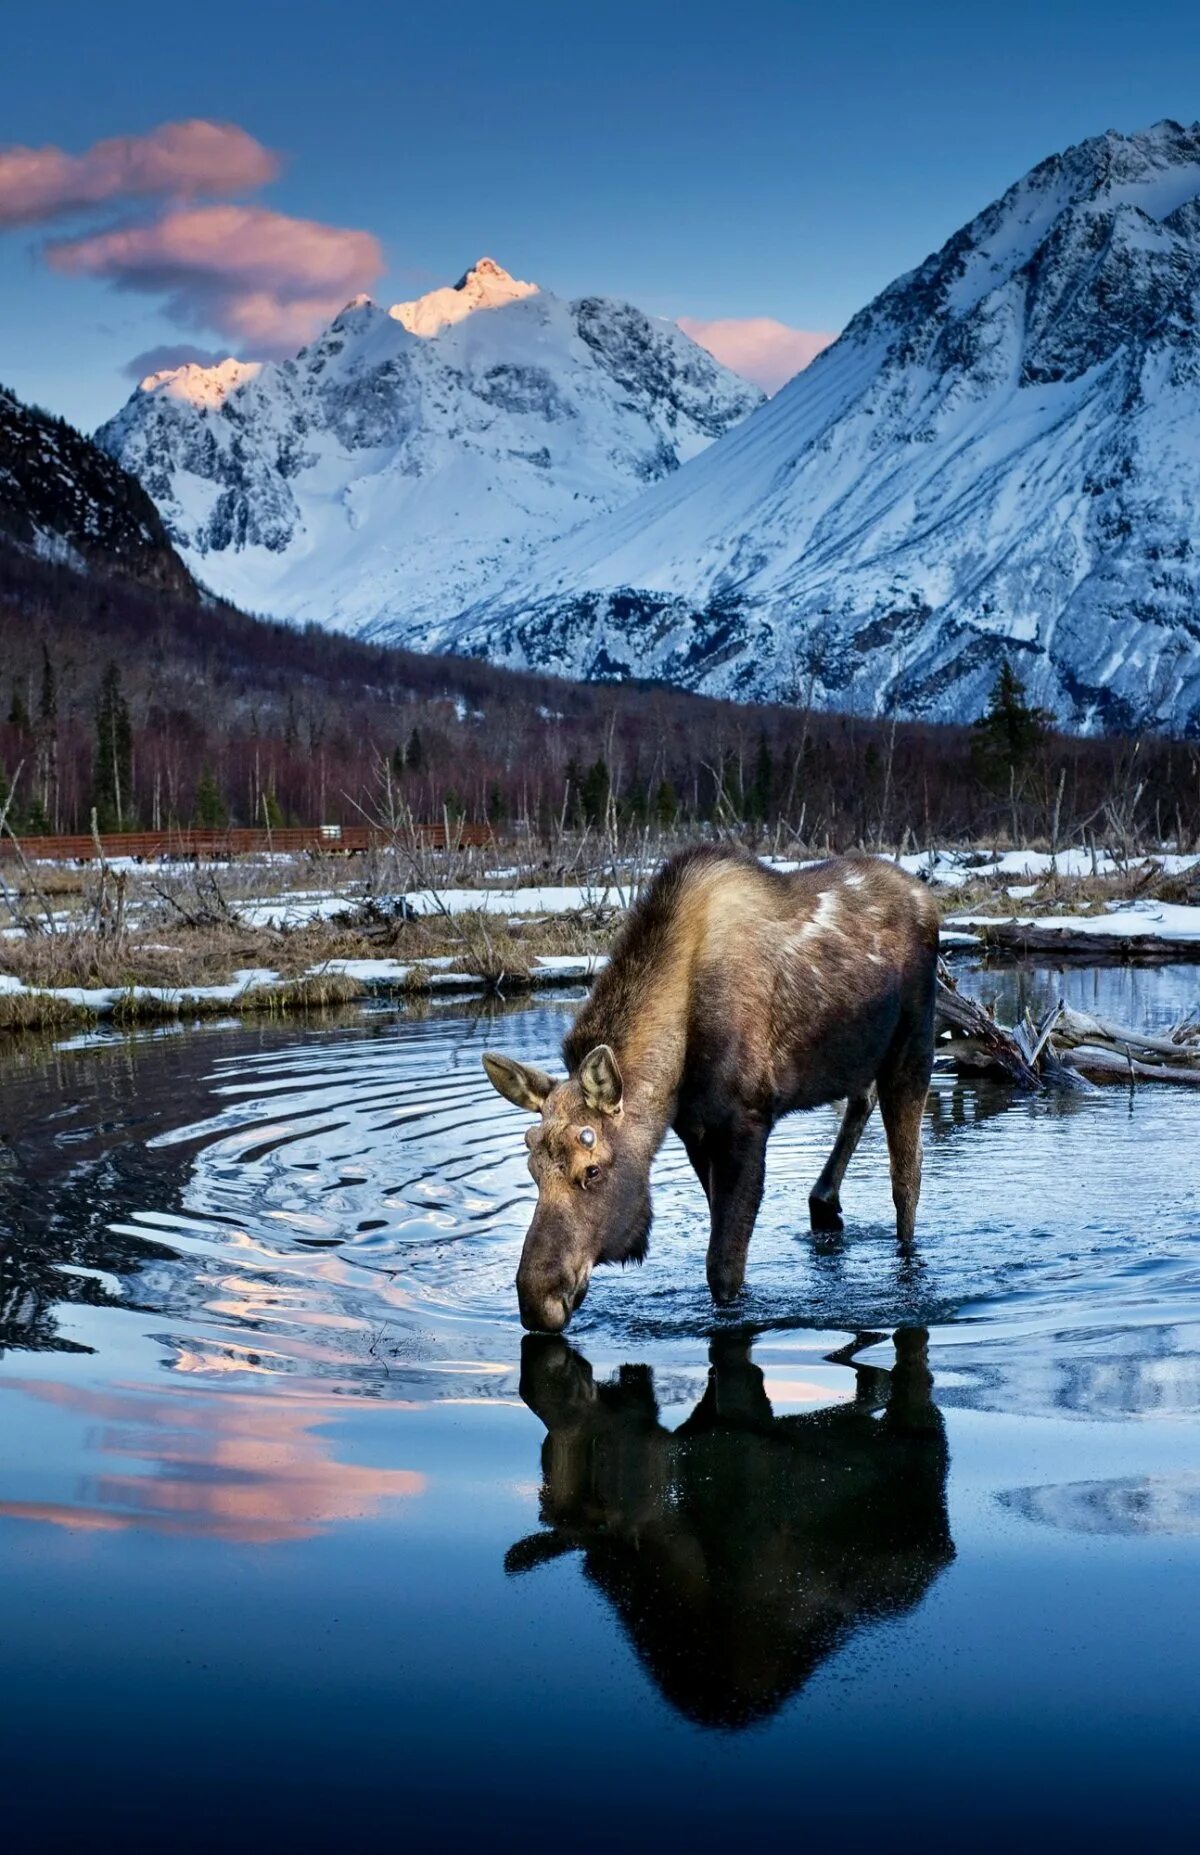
<point x="63" y="500"/>
<point x="408" y="461"/>
<point x="1001" y="455"/>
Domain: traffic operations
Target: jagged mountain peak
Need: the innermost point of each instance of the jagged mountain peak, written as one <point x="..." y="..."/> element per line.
<point x="195" y="385"/>
<point x="405" y="460"/>
<point x="487" y="285"/>
<point x="997" y="458"/>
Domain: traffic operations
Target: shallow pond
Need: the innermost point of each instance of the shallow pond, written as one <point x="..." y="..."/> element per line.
<point x="301" y="1540"/>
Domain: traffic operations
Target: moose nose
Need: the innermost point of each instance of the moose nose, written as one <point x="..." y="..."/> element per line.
<point x="548" y="1310"/>
<point x="549" y="1314"/>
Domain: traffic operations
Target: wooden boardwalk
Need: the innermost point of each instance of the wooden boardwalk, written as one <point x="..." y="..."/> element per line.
<point x="204" y="846"/>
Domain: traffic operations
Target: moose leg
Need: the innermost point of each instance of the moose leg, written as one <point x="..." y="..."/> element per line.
<point x="697" y="1151"/>
<point x="824" y="1200"/>
<point x="737" y="1168"/>
<point x="902" y="1105"/>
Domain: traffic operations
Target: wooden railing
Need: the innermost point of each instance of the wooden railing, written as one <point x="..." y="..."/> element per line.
<point x="198" y="846"/>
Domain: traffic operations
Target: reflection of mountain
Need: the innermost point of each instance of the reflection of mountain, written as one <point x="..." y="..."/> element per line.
<point x="741" y="1550"/>
<point x="1138" y="1504"/>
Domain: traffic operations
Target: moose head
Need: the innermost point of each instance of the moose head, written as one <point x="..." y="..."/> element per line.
<point x="593" y="1178"/>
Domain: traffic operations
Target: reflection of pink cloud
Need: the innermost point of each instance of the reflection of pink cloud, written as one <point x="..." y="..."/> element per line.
<point x="766" y="352"/>
<point x="179" y="158"/>
<point x="256" y="275"/>
<point x="254" y="1469"/>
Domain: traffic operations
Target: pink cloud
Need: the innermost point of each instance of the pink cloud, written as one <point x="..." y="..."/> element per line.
<point x="257" y="276"/>
<point x="178" y="158"/>
<point x="766" y="352"/>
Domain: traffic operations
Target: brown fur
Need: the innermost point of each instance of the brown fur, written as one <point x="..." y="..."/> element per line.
<point x="734" y="995"/>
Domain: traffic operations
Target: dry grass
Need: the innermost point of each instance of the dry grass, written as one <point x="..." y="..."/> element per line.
<point x="1057" y="894"/>
<point x="30" y="1011"/>
<point x="187" y="931"/>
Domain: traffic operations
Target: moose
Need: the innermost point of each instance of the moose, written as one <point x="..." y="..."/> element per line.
<point x="740" y="1549"/>
<point x="735" y="994"/>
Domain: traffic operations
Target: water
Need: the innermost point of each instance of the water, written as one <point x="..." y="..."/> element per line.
<point x="299" y="1537"/>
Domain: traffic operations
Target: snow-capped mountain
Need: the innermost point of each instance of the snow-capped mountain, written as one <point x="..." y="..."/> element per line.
<point x="64" y="500"/>
<point x="409" y="460"/>
<point x="1000" y="456"/>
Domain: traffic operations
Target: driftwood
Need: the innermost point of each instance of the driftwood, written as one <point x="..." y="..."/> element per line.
<point x="1065" y="1049"/>
<point x="1016" y="939"/>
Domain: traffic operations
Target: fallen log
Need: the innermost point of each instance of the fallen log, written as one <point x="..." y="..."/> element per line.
<point x="1065" y="1049"/>
<point x="1104" y="1065"/>
<point x="977" y="1042"/>
<point x="1020" y="939"/>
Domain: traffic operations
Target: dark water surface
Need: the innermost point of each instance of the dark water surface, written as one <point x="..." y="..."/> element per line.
<point x="301" y="1543"/>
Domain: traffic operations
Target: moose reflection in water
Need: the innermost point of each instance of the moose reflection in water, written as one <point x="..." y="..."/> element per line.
<point x="741" y="1549"/>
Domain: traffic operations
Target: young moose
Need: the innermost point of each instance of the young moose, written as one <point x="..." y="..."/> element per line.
<point x="734" y="995"/>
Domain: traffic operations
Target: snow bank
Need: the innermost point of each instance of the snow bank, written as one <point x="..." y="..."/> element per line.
<point x="1125" y="920"/>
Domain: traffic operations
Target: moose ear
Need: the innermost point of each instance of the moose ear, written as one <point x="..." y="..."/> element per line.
<point x="600" y="1080"/>
<point x="517" y="1082"/>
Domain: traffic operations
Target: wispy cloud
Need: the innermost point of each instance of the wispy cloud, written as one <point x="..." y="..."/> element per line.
<point x="761" y="350"/>
<point x="178" y="159"/>
<point x="256" y="276"/>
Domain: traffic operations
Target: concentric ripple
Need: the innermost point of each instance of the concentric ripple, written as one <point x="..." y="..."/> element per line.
<point x="358" y="1196"/>
<point x="347" y="1202"/>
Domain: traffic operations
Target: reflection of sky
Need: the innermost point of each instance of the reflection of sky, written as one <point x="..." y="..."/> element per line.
<point x="355" y="1409"/>
<point x="252" y="1469"/>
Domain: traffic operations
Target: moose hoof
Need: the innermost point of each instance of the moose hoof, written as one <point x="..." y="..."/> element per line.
<point x="724" y="1288"/>
<point x="825" y="1214"/>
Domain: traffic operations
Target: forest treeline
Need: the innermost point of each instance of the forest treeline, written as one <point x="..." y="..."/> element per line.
<point x="153" y="711"/>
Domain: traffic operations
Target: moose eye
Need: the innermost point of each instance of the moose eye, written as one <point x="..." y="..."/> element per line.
<point x="587" y="1136"/>
<point x="591" y="1174"/>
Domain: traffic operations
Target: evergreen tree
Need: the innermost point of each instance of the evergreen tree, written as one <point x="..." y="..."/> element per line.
<point x="112" y="776"/>
<point x="666" y="804"/>
<point x="35" y="822"/>
<point x="593" y="792"/>
<point x="496" y="808"/>
<point x="414" y="753"/>
<point x="1007" y="738"/>
<point x="637" y="804"/>
<point x="209" y="810"/>
<point x="48" y="699"/>
<point x="47" y="740"/>
<point x="762" y="787"/>
<point x="18" y="714"/>
<point x="273" y="810"/>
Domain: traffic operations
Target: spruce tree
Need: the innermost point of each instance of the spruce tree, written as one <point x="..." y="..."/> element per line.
<point x="47" y="740"/>
<point x="1009" y="735"/>
<point x="210" y="809"/>
<point x="763" y="784"/>
<point x="666" y="804"/>
<point x="112" y="777"/>
<point x="594" y="791"/>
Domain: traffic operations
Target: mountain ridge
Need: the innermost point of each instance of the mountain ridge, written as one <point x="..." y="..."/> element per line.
<point x="407" y="459"/>
<point x="62" y="499"/>
<point x="994" y="459"/>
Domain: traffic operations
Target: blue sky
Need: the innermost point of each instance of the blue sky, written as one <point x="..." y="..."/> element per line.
<point x="759" y="160"/>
